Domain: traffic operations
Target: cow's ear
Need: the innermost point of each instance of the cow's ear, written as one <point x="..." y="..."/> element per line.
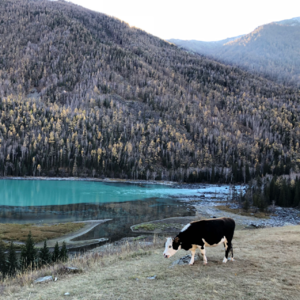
<point x="176" y="240"/>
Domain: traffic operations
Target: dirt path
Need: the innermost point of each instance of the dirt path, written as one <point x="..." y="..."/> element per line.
<point x="68" y="238"/>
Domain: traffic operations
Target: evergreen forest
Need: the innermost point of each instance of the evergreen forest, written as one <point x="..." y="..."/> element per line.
<point x="30" y="258"/>
<point x="281" y="191"/>
<point x="84" y="94"/>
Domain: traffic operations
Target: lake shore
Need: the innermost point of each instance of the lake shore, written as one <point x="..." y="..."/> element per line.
<point x="206" y="200"/>
<point x="107" y="180"/>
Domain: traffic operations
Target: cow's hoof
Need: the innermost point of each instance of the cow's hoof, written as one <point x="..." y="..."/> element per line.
<point x="191" y="264"/>
<point x="205" y="263"/>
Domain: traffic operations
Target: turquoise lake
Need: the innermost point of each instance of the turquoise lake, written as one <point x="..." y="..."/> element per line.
<point x="59" y="201"/>
<point x="52" y="192"/>
<point x="126" y="204"/>
<point x="55" y="192"/>
<point x="62" y="192"/>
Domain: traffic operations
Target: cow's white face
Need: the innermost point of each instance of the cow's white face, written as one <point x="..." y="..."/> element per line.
<point x="169" y="251"/>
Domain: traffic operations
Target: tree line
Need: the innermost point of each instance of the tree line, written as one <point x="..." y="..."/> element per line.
<point x="281" y="191"/>
<point x="30" y="257"/>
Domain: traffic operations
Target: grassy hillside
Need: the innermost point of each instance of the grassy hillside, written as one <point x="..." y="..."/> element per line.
<point x="84" y="94"/>
<point x="266" y="267"/>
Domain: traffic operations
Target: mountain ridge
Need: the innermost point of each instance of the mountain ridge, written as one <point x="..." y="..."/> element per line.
<point x="271" y="50"/>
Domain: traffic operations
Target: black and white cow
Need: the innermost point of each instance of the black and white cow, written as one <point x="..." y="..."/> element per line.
<point x="203" y="233"/>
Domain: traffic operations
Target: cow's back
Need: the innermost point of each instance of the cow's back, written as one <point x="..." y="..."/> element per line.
<point x="212" y="231"/>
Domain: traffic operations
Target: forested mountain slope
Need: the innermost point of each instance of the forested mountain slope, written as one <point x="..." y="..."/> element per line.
<point x="272" y="50"/>
<point x="84" y="94"/>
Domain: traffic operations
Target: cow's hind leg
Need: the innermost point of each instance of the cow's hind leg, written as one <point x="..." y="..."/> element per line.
<point x="231" y="251"/>
<point x="202" y="250"/>
<point x="193" y="250"/>
<point x="228" y="249"/>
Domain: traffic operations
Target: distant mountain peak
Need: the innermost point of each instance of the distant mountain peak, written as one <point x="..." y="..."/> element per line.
<point x="271" y="50"/>
<point x="290" y="22"/>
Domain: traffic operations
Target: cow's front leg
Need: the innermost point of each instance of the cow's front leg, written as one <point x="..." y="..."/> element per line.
<point x="202" y="250"/>
<point x="193" y="250"/>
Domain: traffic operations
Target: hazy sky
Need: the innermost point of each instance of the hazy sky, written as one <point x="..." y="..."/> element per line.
<point x="204" y="20"/>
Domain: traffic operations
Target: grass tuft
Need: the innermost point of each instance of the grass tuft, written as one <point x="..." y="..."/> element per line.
<point x="240" y="211"/>
<point x="156" y="226"/>
<point x="19" y="232"/>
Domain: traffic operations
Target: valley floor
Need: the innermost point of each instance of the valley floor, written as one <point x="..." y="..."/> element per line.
<point x="266" y="266"/>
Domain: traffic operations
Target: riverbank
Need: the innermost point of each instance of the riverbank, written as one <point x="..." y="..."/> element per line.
<point x="141" y="272"/>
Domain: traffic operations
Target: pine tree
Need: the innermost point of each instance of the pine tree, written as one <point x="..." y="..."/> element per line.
<point x="12" y="260"/>
<point x="63" y="254"/>
<point x="272" y="189"/>
<point x="75" y="169"/>
<point x="296" y="201"/>
<point x="248" y="176"/>
<point x="28" y="253"/>
<point x="212" y="179"/>
<point x="246" y="204"/>
<point x="288" y="196"/>
<point x="44" y="255"/>
<point x="55" y="254"/>
<point x="283" y="194"/>
<point x="3" y="262"/>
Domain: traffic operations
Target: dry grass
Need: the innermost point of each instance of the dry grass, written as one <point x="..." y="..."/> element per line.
<point x="19" y="232"/>
<point x="155" y="226"/>
<point x="240" y="211"/>
<point x="267" y="266"/>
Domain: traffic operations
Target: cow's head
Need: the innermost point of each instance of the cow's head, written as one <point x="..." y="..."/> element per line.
<point x="171" y="247"/>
